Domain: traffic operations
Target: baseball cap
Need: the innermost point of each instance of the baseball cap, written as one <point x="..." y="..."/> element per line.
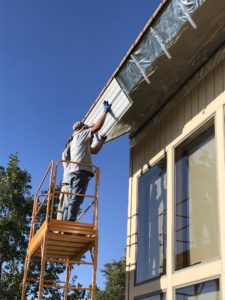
<point x="79" y="125"/>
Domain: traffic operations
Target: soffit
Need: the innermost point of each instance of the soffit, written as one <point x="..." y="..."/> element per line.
<point x="189" y="50"/>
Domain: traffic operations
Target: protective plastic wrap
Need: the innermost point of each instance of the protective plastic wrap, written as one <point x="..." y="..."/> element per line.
<point x="155" y="40"/>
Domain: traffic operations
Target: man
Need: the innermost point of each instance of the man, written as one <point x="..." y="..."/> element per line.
<point x="65" y="181"/>
<point x="80" y="152"/>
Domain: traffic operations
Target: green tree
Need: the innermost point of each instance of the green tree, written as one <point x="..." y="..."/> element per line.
<point x="15" y="207"/>
<point x="15" y="218"/>
<point x="114" y="273"/>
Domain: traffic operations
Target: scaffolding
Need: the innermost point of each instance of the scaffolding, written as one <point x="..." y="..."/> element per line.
<point x="61" y="242"/>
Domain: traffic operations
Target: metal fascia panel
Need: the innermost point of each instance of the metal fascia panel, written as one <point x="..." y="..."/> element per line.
<point x="119" y="101"/>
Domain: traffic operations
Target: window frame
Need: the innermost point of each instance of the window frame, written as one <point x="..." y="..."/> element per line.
<point x="193" y="135"/>
<point x="218" y="278"/>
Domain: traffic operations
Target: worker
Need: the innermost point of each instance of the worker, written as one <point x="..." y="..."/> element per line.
<point x="80" y="152"/>
<point x="65" y="181"/>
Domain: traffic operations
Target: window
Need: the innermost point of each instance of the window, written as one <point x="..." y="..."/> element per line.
<point x="196" y="229"/>
<point x="202" y="291"/>
<point x="154" y="297"/>
<point x="151" y="239"/>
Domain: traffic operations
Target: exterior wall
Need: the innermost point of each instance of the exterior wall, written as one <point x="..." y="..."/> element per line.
<point x="204" y="101"/>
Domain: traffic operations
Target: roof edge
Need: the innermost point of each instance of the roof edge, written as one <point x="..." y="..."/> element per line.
<point x="148" y="24"/>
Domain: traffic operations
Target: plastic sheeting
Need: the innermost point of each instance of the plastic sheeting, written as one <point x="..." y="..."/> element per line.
<point x="155" y="40"/>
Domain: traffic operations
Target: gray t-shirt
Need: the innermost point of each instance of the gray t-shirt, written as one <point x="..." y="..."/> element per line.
<point x="80" y="150"/>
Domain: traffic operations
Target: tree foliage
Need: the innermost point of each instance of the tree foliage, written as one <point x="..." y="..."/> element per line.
<point x="114" y="273"/>
<point x="15" y="207"/>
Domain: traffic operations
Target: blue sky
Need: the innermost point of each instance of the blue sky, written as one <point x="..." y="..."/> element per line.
<point x="55" y="58"/>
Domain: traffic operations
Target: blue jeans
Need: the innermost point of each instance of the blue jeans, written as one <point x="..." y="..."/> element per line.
<point x="78" y="185"/>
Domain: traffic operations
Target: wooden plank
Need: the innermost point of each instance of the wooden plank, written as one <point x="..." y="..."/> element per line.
<point x="71" y="223"/>
<point x="73" y="227"/>
<point x="74" y="232"/>
<point x="66" y="244"/>
<point x="78" y="230"/>
<point x="59" y="248"/>
<point x="64" y="251"/>
<point x="71" y="262"/>
<point x="68" y="238"/>
<point x="39" y="234"/>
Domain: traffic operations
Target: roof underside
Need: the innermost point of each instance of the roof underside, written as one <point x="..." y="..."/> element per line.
<point x="189" y="49"/>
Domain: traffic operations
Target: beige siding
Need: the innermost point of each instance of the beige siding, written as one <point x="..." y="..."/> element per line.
<point x="153" y="146"/>
<point x="171" y="126"/>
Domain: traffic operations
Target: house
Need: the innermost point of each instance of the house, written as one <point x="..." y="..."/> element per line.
<point x="173" y="79"/>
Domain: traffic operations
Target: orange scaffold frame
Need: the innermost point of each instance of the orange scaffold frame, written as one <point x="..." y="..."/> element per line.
<point x="61" y="242"/>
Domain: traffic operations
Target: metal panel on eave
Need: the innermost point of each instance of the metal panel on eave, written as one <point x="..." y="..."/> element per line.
<point x="120" y="103"/>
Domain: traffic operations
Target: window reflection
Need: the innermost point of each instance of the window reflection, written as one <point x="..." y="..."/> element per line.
<point x="196" y="232"/>
<point x="202" y="291"/>
<point x="151" y="247"/>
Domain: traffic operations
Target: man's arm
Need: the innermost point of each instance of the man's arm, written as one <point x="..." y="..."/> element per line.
<point x="97" y="148"/>
<point x="99" y="144"/>
<point x="100" y="122"/>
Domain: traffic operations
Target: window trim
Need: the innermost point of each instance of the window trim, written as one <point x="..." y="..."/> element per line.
<point x="160" y="292"/>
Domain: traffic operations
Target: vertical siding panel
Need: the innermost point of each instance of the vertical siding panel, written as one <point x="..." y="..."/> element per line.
<point x="180" y="118"/>
<point x="187" y="114"/>
<point x="218" y="80"/>
<point x="162" y="136"/>
<point x="194" y="102"/>
<point x="174" y="129"/>
<point x="210" y="91"/>
<point x="137" y="158"/>
<point x="134" y="160"/>
<point x="202" y="95"/>
<point x="151" y="146"/>
<point x="141" y="157"/>
<point x="157" y="139"/>
<point x="224" y="75"/>
<point x="168" y="129"/>
<point x="145" y="149"/>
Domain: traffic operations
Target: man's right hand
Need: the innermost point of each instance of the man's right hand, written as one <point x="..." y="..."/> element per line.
<point x="106" y="106"/>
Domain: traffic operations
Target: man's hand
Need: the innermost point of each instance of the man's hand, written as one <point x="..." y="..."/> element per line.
<point x="103" y="137"/>
<point x="106" y="106"/>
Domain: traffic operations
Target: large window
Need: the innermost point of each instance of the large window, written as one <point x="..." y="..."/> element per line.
<point x="151" y="240"/>
<point x="202" y="291"/>
<point x="196" y="229"/>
